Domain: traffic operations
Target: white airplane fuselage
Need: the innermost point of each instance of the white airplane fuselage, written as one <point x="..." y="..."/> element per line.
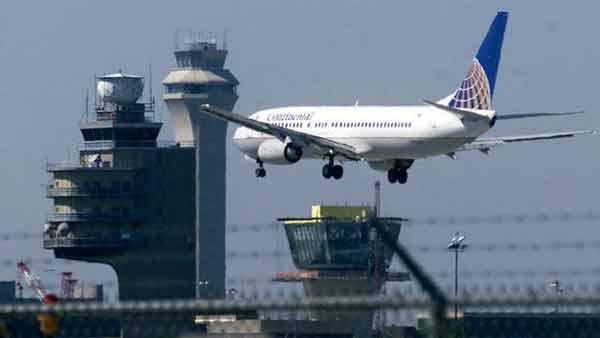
<point x="378" y="133"/>
<point x="389" y="138"/>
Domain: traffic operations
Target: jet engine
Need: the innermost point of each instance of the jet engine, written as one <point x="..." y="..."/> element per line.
<point x="277" y="152"/>
<point x="493" y="121"/>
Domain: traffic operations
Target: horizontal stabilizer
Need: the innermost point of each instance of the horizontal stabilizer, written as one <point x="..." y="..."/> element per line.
<point x="484" y="144"/>
<point x="528" y="115"/>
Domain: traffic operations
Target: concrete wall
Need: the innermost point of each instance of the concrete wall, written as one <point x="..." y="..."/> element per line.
<point x="210" y="180"/>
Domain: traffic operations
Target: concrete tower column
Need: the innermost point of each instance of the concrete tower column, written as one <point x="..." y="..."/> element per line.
<point x="199" y="79"/>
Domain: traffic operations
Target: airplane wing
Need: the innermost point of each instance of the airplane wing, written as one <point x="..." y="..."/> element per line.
<point x="319" y="144"/>
<point x="484" y="144"/>
<point x="528" y="115"/>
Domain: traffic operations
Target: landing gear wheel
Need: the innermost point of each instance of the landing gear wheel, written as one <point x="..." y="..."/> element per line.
<point x="260" y="172"/>
<point x="397" y="175"/>
<point x="328" y="171"/>
<point x="338" y="171"/>
<point x="402" y="176"/>
<point x="392" y="175"/>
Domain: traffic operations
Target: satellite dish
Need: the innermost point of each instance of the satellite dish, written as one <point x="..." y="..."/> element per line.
<point x="62" y="228"/>
<point x="120" y="88"/>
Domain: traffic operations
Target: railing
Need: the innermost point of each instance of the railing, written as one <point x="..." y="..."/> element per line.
<point x="88" y="241"/>
<point x="101" y="145"/>
<point x="91" y="217"/>
<point x="120" y="165"/>
<point x="52" y="191"/>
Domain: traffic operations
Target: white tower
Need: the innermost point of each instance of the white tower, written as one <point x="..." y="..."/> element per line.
<point x="199" y="79"/>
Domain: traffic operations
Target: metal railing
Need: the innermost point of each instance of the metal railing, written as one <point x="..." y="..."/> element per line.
<point x="103" y="145"/>
<point x="52" y="191"/>
<point x="87" y="241"/>
<point x="92" y="216"/>
<point x="120" y="165"/>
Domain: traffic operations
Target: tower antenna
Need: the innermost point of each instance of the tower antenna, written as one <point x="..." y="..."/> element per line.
<point x="151" y="98"/>
<point x="86" y="108"/>
<point x="225" y="39"/>
<point x="377" y="201"/>
<point x="95" y="93"/>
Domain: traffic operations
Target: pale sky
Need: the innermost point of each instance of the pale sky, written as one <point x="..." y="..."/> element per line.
<point x="322" y="53"/>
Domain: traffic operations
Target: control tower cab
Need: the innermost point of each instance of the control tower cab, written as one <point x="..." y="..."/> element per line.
<point x="200" y="77"/>
<point x="338" y="252"/>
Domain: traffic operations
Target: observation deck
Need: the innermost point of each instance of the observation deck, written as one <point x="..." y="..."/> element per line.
<point x="95" y="191"/>
<point x="110" y="217"/>
<point x="97" y="240"/>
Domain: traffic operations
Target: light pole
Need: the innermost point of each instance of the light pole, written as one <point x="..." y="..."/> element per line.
<point x="456" y="245"/>
<point x="558" y="289"/>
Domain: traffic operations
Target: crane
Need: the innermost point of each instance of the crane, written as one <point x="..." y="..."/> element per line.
<point x="48" y="321"/>
<point x="35" y="283"/>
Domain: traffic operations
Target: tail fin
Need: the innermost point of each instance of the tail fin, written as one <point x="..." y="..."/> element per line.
<point x="477" y="89"/>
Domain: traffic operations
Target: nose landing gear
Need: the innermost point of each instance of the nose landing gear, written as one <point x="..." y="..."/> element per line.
<point x="260" y="171"/>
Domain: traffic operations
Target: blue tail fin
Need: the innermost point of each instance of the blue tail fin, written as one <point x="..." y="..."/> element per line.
<point x="477" y="89"/>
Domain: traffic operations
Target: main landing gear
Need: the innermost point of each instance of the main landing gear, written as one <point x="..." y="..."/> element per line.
<point x="399" y="175"/>
<point x="260" y="171"/>
<point x="330" y="170"/>
<point x="399" y="172"/>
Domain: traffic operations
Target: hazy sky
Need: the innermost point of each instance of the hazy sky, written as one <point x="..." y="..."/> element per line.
<point x="322" y="53"/>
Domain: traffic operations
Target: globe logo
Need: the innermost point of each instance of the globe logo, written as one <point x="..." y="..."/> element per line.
<point x="474" y="91"/>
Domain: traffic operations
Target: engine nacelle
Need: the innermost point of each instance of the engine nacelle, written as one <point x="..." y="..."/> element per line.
<point x="277" y="152"/>
<point x="493" y="121"/>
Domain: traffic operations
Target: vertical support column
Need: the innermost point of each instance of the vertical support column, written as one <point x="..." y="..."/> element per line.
<point x="210" y="202"/>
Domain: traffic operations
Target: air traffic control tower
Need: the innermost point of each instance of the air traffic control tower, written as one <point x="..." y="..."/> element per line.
<point x="126" y="201"/>
<point x="200" y="78"/>
<point x="338" y="252"/>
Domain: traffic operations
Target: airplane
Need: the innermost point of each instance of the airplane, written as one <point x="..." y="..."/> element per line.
<point x="388" y="138"/>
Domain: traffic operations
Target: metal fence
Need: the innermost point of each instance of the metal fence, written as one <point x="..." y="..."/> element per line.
<point x="511" y="299"/>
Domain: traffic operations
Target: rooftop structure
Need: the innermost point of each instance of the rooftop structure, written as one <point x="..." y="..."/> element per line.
<point x="337" y="251"/>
